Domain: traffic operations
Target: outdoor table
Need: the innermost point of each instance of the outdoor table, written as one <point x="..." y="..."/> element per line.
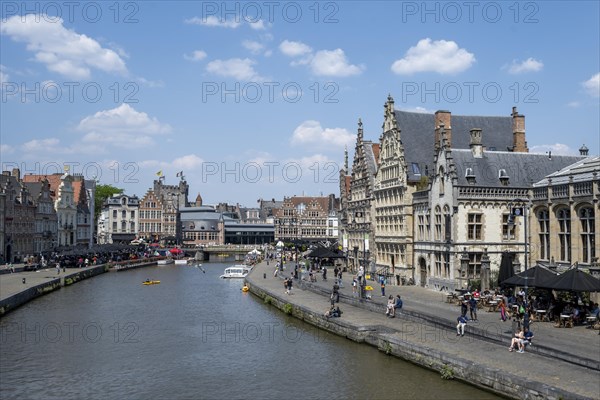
<point x="492" y="306"/>
<point x="449" y="297"/>
<point x="591" y="321"/>
<point x="541" y="314"/>
<point x="566" y="320"/>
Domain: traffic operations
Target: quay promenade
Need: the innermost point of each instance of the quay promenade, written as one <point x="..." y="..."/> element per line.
<point x="424" y="333"/>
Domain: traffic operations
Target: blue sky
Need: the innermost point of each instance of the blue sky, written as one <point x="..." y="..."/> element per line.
<point x="258" y="99"/>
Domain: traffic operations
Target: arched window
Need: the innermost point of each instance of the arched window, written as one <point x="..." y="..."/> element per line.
<point x="447" y="224"/>
<point x="438" y="223"/>
<point x="544" y="232"/>
<point x="564" y="233"/>
<point x="588" y="234"/>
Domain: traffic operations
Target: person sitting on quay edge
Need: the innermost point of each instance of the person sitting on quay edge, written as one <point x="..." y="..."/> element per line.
<point x="528" y="335"/>
<point x="390" y="307"/>
<point x="397" y="304"/>
<point x="334" y="312"/>
<point x="460" y="327"/>
<point x="514" y="343"/>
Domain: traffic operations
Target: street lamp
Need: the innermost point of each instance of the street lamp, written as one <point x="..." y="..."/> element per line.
<point x="464" y="266"/>
<point x="518" y="208"/>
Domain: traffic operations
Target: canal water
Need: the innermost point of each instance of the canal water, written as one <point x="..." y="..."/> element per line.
<point x="193" y="336"/>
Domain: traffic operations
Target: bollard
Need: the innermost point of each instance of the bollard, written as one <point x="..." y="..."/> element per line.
<point x="24" y="280"/>
<point x="264" y="276"/>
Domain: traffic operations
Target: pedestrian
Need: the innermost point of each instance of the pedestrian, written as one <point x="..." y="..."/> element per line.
<point x="382" y="287"/>
<point x="473" y="308"/>
<point x="460" y="327"/>
<point x="502" y="310"/>
<point x="463" y="308"/>
<point x="361" y="274"/>
<point x="340" y="279"/>
<point x="324" y="273"/>
<point x="57" y="268"/>
<point x="336" y="292"/>
<point x="285" y="286"/>
<point x="289" y="286"/>
<point x="354" y="286"/>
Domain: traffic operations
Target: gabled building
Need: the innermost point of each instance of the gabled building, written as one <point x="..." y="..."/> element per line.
<point x="359" y="214"/>
<point x="46" y="220"/>
<point x="392" y="203"/>
<point x="306" y="219"/>
<point x="462" y="220"/>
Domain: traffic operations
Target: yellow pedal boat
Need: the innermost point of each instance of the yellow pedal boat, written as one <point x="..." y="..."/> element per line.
<point x="150" y="282"/>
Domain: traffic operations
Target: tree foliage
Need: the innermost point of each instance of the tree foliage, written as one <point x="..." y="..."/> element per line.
<point x="103" y="192"/>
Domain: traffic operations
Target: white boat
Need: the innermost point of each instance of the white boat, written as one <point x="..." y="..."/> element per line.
<point x="237" y="271"/>
<point x="181" y="261"/>
<point x="165" y="261"/>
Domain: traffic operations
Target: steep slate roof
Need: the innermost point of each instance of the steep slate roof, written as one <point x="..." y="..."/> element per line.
<point x="53" y="179"/>
<point x="418" y="135"/>
<point x="522" y="168"/>
<point x="34" y="189"/>
<point x="582" y="170"/>
<point x="370" y="158"/>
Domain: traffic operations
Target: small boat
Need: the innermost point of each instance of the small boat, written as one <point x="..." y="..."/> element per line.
<point x="181" y="261"/>
<point x="237" y="271"/>
<point x="150" y="283"/>
<point x="245" y="288"/>
<point x="165" y="261"/>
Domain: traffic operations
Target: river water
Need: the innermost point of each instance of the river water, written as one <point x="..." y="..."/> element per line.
<point x="193" y="336"/>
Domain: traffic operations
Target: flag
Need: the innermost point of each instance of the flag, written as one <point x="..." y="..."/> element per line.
<point x="159" y="173"/>
<point x="180" y="173"/>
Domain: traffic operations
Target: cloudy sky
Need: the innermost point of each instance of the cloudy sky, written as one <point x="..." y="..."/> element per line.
<point x="259" y="99"/>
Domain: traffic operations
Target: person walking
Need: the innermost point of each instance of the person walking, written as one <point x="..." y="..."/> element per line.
<point x="336" y="293"/>
<point x="57" y="268"/>
<point x="382" y="287"/>
<point x="502" y="310"/>
<point x="340" y="279"/>
<point x="354" y="286"/>
<point x="463" y="308"/>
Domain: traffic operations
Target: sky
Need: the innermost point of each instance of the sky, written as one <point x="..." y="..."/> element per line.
<point x="251" y="100"/>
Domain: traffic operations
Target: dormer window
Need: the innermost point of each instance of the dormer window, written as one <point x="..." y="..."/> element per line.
<point x="470" y="176"/>
<point x="503" y="176"/>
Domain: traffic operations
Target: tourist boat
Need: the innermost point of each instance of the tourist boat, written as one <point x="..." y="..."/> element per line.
<point x="165" y="261"/>
<point x="150" y="283"/>
<point x="237" y="271"/>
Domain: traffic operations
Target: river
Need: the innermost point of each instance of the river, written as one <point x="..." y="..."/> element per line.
<point x="193" y="336"/>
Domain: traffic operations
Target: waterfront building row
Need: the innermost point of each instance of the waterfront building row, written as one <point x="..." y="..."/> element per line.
<point x="433" y="200"/>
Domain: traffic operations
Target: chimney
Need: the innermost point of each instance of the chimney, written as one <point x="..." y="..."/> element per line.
<point x="443" y="117"/>
<point x="16" y="173"/>
<point x="583" y="150"/>
<point x="475" y="143"/>
<point x="518" y="128"/>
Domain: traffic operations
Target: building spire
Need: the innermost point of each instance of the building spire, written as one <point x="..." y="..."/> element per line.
<point x="360" y="130"/>
<point x="346" y="158"/>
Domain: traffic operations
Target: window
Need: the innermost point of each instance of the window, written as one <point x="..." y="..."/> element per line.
<point x="474" y="227"/>
<point x="588" y="240"/>
<point x="447" y="224"/>
<point x="114" y="214"/>
<point x="544" y="228"/>
<point x="438" y="223"/>
<point x="132" y="214"/>
<point x="441" y="174"/>
<point x="132" y="227"/>
<point x="564" y="233"/>
<point x="474" y="265"/>
<point x="421" y="227"/>
<point x="508" y="230"/>
<point x="123" y="214"/>
<point x="438" y="264"/>
<point x="114" y="226"/>
<point x="446" y="264"/>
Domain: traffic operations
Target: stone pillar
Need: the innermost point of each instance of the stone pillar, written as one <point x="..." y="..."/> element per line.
<point x="485" y="271"/>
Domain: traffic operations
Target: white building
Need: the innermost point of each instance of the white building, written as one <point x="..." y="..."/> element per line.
<point x="119" y="220"/>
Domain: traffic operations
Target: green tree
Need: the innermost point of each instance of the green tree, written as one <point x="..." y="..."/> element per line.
<point x="103" y="192"/>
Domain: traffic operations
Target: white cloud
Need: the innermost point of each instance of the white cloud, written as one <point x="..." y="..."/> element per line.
<point x="573" y="104"/>
<point x="333" y="63"/>
<point x="3" y="75"/>
<point x="241" y="69"/>
<point x="197" y="55"/>
<point x="258" y="25"/>
<point x="253" y="46"/>
<point x="592" y="85"/>
<point x="213" y="21"/>
<point x="62" y="50"/>
<point x="417" y="109"/>
<point x="310" y="133"/>
<point x="190" y="161"/>
<point x="441" y="56"/>
<point x="41" y="144"/>
<point x="122" y="126"/>
<point x="6" y="149"/>
<point x="529" y="65"/>
<point x="294" y="49"/>
<point x="558" y="149"/>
